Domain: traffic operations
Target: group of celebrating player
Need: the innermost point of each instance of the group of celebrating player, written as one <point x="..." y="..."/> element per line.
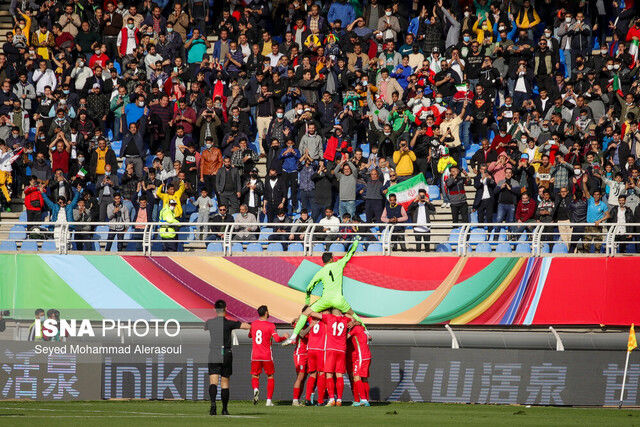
<point x="330" y="339"/>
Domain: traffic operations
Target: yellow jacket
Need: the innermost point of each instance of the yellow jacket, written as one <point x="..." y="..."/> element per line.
<point x="404" y="162"/>
<point x="444" y="163"/>
<point x="165" y="197"/>
<point x="168" y="216"/>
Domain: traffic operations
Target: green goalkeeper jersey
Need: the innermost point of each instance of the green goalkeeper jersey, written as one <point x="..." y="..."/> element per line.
<point x="331" y="276"/>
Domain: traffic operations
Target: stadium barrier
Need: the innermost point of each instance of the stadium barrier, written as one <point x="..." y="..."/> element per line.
<point x="398" y="373"/>
<point x="503" y="239"/>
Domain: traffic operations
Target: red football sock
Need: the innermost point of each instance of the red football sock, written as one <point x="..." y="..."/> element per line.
<point x="366" y="389"/>
<point x="271" y="384"/>
<point x="357" y="386"/>
<point x="321" y="388"/>
<point x="331" y="387"/>
<point x="296" y="393"/>
<point x="340" y="386"/>
<point x="255" y="382"/>
<point x="311" y="383"/>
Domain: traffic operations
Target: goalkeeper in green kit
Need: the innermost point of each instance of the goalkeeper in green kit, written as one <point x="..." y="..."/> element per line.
<point x="332" y="297"/>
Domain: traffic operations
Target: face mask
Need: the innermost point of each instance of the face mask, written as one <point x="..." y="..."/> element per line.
<point x="169" y="30"/>
<point x="616" y="66"/>
<point x="524" y="140"/>
<point x="507" y="105"/>
<point x="387" y="13"/>
<point x="98" y="51"/>
<point x="273" y="177"/>
<point x="387" y="133"/>
<point x="438" y="100"/>
<point x="140" y="104"/>
<point x="547" y="34"/>
<point x="567" y="20"/>
<point x="81" y="64"/>
<point x="80" y="159"/>
<point x="467" y="14"/>
<point x="42" y="318"/>
<point x="130" y="26"/>
<point x="281" y="218"/>
<point x="466" y="39"/>
<point x="545" y="128"/>
<point x="609" y="67"/>
<point x="299" y="111"/>
<point x="577" y="171"/>
<point x="279" y="115"/>
<point x="107" y="173"/>
<point x="232" y="51"/>
<point x="227" y="166"/>
<point x="501" y="29"/>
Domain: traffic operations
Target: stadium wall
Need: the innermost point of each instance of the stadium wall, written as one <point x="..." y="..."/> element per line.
<point x="387" y="290"/>
<point x="533" y="377"/>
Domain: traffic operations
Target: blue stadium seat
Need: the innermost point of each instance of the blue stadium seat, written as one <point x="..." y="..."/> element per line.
<point x="18" y="232"/>
<point x="8" y="246"/>
<point x="23" y="216"/>
<point x="503" y="237"/>
<point x="434" y="192"/>
<point x="477" y="235"/>
<point x="336" y="247"/>
<point x="374" y="247"/>
<point x="453" y="236"/>
<point x="545" y="249"/>
<point x="48" y="246"/>
<point x="265" y="232"/>
<point x="473" y="217"/>
<point x="318" y="247"/>
<point x="483" y="247"/>
<point x="295" y="247"/>
<point x="101" y="232"/>
<point x="504" y="248"/>
<point x="117" y="145"/>
<point x="29" y="245"/>
<point x="443" y="247"/>
<point x="193" y="217"/>
<point x="523" y="248"/>
<point x="275" y="247"/>
<point x="254" y="247"/>
<point x="360" y="248"/>
<point x="215" y="247"/>
<point x="560" y="248"/>
<point x="237" y="247"/>
<point x="130" y="246"/>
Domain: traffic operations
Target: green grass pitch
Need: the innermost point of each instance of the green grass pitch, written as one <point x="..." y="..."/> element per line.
<point x="161" y="413"/>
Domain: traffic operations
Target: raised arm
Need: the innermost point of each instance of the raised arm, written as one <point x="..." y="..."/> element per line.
<point x="345" y="259"/>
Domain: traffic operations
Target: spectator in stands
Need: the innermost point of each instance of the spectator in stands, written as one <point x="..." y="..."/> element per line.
<point x="297" y="233"/>
<point x="484" y="200"/>
<point x="393" y="213"/>
<point x="457" y="195"/>
<point x="204" y="203"/>
<point x="620" y="215"/>
<point x="167" y="230"/>
<point x="420" y="210"/>
<point x="117" y="214"/>
<point x="246" y="232"/>
<point x="331" y="78"/>
<point x="33" y="201"/>
<point x="169" y="195"/>
<point x="223" y="216"/>
<point x="83" y="232"/>
<point x="330" y="225"/>
<point x="507" y="192"/>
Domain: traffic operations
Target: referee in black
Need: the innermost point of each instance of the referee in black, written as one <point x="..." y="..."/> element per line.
<point x="220" y="356"/>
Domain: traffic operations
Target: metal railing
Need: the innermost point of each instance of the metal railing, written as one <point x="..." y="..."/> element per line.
<point x="471" y="239"/>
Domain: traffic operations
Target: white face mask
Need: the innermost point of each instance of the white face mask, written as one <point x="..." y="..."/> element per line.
<point x="140" y="104"/>
<point x="567" y="20"/>
<point x="467" y="14"/>
<point x="501" y="29"/>
<point x="279" y="115"/>
<point x="388" y="13"/>
<point x="610" y="67"/>
<point x="547" y="34"/>
<point x="616" y="66"/>
<point x="299" y="111"/>
<point x="438" y="100"/>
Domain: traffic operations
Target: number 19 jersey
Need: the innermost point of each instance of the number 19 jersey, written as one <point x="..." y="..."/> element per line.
<point x="336" y="332"/>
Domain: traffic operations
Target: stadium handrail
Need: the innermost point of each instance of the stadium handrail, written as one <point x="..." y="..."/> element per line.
<point x="528" y="239"/>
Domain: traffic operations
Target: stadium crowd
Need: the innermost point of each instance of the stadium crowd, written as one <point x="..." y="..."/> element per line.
<point x="126" y="111"/>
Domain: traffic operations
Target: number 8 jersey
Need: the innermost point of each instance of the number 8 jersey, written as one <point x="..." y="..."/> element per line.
<point x="261" y="333"/>
<point x="336" y="332"/>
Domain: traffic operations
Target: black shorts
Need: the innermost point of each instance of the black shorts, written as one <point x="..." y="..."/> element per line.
<point x="224" y="369"/>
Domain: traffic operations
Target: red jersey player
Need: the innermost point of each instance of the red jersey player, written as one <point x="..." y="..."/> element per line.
<point x="300" y="362"/>
<point x="335" y="363"/>
<point x="315" y="361"/>
<point x="358" y="345"/>
<point x="261" y="333"/>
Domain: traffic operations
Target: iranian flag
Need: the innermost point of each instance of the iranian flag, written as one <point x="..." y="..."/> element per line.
<point x="633" y="51"/>
<point x="407" y="191"/>
<point x="615" y="83"/>
<point x="82" y="173"/>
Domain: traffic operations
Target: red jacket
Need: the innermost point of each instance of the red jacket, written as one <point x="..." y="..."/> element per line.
<point x="125" y="39"/>
<point x="525" y="212"/>
<point x="33" y="196"/>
